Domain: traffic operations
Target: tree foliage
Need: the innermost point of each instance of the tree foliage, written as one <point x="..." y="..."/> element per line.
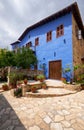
<point x="7" y="58"/>
<point x="23" y="58"/>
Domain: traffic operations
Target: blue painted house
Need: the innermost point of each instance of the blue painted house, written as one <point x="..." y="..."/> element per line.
<point x="58" y="42"/>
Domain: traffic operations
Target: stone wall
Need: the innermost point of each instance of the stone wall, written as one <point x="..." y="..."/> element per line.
<point x="27" y="72"/>
<point x="78" y="48"/>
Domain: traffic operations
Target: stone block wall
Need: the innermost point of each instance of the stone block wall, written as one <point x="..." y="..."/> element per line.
<point x="26" y="71"/>
<point x="78" y="48"/>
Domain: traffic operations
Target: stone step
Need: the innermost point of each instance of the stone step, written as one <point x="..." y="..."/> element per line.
<point x="50" y="92"/>
<point x="55" y="86"/>
<point x="1" y="90"/>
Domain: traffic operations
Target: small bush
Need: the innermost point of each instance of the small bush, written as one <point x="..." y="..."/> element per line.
<point x="41" y="77"/>
<point x="14" y="77"/>
<point x="80" y="78"/>
<point x="18" y="92"/>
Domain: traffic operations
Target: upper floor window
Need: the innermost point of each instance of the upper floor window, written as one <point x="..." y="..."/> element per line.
<point x="29" y="44"/>
<point x="49" y="36"/>
<point x="37" y="41"/>
<point x="60" y="31"/>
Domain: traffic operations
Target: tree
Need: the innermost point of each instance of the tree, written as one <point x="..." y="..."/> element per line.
<point x="2" y="58"/>
<point x="25" y="58"/>
<point x="10" y="58"/>
<point x="7" y="58"/>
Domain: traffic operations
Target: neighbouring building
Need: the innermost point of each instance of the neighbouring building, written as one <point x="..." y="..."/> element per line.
<point x="57" y="41"/>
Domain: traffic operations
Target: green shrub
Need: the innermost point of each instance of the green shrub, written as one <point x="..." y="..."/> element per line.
<point x="14" y="77"/>
<point x="41" y="76"/>
<point x="18" y="92"/>
<point x="80" y="78"/>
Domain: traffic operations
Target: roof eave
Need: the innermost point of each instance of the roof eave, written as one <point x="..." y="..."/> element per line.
<point x="16" y="42"/>
<point x="72" y="8"/>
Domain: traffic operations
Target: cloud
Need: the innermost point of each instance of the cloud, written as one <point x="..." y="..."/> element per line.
<point x="17" y="15"/>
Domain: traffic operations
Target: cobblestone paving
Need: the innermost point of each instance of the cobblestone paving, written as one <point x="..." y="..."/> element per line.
<point x="56" y="113"/>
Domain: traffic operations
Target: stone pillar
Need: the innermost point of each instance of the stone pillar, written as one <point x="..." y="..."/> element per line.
<point x="12" y="92"/>
<point x="8" y="76"/>
<point x="24" y="90"/>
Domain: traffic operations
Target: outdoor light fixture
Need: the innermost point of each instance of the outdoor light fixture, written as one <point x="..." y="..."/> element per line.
<point x="64" y="41"/>
<point x="54" y="54"/>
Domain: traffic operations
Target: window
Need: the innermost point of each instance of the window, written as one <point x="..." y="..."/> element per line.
<point x="29" y="44"/>
<point x="36" y="41"/>
<point x="82" y="58"/>
<point x="49" y="36"/>
<point x="60" y="31"/>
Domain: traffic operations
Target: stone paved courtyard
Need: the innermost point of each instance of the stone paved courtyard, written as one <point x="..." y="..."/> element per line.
<point x="55" y="113"/>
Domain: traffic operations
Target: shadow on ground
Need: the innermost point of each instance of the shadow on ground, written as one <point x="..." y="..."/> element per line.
<point x="8" y="118"/>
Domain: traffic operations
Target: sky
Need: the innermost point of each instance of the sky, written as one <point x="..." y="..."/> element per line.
<point x="17" y="15"/>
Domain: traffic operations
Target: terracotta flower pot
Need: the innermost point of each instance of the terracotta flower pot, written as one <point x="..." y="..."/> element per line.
<point x="41" y="80"/>
<point x="33" y="89"/>
<point x="25" y="81"/>
<point x="5" y="87"/>
<point x="44" y="86"/>
<point x="63" y="79"/>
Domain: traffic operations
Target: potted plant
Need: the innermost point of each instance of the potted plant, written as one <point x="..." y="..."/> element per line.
<point x="41" y="77"/>
<point x="5" y="87"/>
<point x="19" y="83"/>
<point x="67" y="74"/>
<point x="63" y="79"/>
<point x="33" y="88"/>
<point x="35" y="78"/>
<point x="43" y="85"/>
<point x="13" y="80"/>
<point x="25" y="81"/>
<point x="18" y="92"/>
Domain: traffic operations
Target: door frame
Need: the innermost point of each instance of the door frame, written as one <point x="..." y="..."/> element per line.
<point x="55" y="61"/>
